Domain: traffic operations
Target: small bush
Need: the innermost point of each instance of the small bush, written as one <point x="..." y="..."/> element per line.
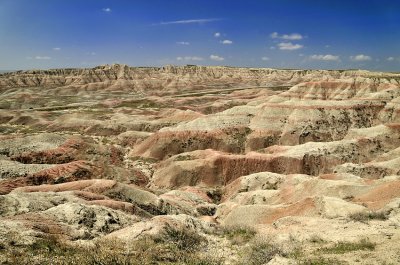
<point x="239" y="234"/>
<point x="260" y="252"/>
<point x="364" y="217"/>
<point x="344" y="247"/>
<point x="49" y="244"/>
<point x="215" y="195"/>
<point x="183" y="158"/>
<point x="184" y="239"/>
<point x="316" y="239"/>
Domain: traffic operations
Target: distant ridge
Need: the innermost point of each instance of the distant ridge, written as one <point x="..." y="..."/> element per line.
<point x="174" y="78"/>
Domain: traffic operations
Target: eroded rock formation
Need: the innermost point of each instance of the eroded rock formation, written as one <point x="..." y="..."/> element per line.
<point x="127" y="152"/>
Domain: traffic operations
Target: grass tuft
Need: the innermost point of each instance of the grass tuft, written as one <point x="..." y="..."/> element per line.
<point x="184" y="239"/>
<point x="182" y="249"/>
<point x="344" y="247"/>
<point x="260" y="252"/>
<point x="320" y="261"/>
<point x="239" y="234"/>
<point x="364" y="217"/>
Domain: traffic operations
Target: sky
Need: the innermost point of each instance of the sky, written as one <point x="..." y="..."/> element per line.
<point x="301" y="34"/>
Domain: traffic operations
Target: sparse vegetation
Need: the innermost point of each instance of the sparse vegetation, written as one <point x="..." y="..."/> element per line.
<point x="344" y="247"/>
<point x="260" y="251"/>
<point x="364" y="217"/>
<point x="239" y="234"/>
<point x="320" y="261"/>
<point x="142" y="159"/>
<point x="148" y="250"/>
<point x="215" y="195"/>
<point x="183" y="239"/>
<point x="183" y="158"/>
<point x="176" y="246"/>
<point x="140" y="104"/>
<point x="316" y="239"/>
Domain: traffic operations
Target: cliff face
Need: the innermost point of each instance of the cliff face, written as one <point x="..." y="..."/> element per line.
<point x="178" y="77"/>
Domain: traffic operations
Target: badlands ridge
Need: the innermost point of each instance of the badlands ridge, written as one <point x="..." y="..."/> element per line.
<point x="306" y="158"/>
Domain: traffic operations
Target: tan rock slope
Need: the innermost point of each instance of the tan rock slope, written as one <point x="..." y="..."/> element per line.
<point x="119" y="152"/>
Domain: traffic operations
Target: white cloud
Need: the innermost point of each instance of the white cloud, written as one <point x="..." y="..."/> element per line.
<point x="107" y="9"/>
<point x="217" y="34"/>
<point x="56" y="49"/>
<point x="390" y="59"/>
<point x="216" y="58"/>
<point x="265" y="58"/>
<point x="293" y="36"/>
<point x="189" y="58"/>
<point x="227" y="42"/>
<point x="327" y="57"/>
<point x="182" y="43"/>
<point x="190" y="21"/>
<point x="360" y="58"/>
<point x="274" y="35"/>
<point x="42" y="57"/>
<point x="272" y="48"/>
<point x="288" y="46"/>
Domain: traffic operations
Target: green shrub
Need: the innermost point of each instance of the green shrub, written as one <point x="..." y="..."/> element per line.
<point x="344" y="247"/>
<point x="239" y="234"/>
<point x="260" y="252"/>
<point x="183" y="158"/>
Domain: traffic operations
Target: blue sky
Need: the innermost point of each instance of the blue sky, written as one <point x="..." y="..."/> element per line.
<point x="271" y="33"/>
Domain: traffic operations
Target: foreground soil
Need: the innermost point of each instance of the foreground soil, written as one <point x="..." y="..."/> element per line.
<point x="199" y="165"/>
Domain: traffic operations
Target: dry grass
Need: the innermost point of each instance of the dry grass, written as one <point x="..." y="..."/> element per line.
<point x="344" y="247"/>
<point x="260" y="251"/>
<point x="183" y="239"/>
<point x="175" y="246"/>
<point x="364" y="217"/>
<point x="238" y="234"/>
<point x="320" y="261"/>
<point x="178" y="246"/>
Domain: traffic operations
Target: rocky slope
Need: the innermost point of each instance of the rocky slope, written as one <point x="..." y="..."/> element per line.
<point x="307" y="158"/>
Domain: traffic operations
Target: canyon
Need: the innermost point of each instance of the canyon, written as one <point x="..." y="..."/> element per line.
<point x="305" y="158"/>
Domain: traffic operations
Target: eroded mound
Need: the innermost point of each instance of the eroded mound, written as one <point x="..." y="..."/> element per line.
<point x="200" y="158"/>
